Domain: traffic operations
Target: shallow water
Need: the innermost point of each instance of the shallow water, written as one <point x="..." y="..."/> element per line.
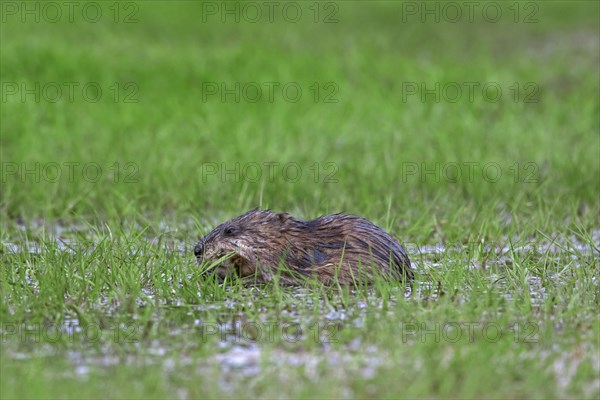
<point x="251" y="347"/>
<point x="61" y="236"/>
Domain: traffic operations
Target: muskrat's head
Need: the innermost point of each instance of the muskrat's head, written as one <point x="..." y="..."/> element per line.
<point x="235" y="245"/>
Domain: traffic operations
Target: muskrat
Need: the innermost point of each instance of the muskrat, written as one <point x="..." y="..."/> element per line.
<point x="340" y="247"/>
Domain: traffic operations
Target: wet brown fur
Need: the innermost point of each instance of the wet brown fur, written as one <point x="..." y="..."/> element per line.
<point x="339" y="247"/>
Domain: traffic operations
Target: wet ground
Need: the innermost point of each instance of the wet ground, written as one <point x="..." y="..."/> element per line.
<point x="246" y="344"/>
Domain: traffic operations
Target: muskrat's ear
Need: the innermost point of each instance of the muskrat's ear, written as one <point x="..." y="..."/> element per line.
<point x="283" y="217"/>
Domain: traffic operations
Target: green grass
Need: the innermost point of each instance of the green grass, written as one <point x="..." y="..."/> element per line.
<point x="508" y="309"/>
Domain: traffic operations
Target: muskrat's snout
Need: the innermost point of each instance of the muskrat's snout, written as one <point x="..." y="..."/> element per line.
<point x="199" y="250"/>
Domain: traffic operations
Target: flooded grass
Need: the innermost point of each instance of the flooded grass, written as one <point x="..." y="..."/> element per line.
<point x="129" y="307"/>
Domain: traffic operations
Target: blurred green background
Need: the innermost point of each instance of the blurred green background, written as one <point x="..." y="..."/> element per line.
<point x="158" y="133"/>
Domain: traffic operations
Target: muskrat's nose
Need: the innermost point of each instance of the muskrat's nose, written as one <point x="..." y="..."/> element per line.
<point x="199" y="249"/>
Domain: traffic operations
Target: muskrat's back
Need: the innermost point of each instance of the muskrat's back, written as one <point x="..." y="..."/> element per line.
<point x="338" y="247"/>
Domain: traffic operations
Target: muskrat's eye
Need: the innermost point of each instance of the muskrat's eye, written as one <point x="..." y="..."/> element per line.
<point x="229" y="231"/>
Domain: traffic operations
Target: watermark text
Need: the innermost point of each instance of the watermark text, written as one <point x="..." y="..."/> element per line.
<point x="270" y="92"/>
<point x="470" y="92"/>
<point x="70" y="92"/>
<point x="69" y="171"/>
<point x="253" y="12"/>
<point x="455" y="331"/>
<point x="253" y="172"/>
<point x="470" y="11"/>
<point x="123" y="12"/>
<point x="468" y="171"/>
